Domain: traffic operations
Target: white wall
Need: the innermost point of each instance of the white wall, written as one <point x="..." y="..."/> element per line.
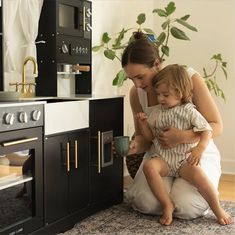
<point x="111" y="16"/>
<point x="216" y="34"/>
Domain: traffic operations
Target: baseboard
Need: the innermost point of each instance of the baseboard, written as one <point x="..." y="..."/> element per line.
<point x="228" y="166"/>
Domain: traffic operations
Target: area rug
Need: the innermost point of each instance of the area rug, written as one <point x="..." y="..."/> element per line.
<point x="123" y="220"/>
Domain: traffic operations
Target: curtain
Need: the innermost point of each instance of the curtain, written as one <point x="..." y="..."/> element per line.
<point x="29" y="13"/>
<point x="10" y="8"/>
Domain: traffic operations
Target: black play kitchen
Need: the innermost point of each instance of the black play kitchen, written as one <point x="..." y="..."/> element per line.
<point x="56" y="161"/>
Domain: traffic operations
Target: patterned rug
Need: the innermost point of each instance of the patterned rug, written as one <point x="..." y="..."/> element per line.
<point x="123" y="220"/>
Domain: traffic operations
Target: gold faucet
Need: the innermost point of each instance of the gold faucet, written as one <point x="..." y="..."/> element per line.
<point x="24" y="91"/>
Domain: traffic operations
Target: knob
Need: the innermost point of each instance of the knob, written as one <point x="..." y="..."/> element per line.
<point x="88" y="12"/>
<point x="36" y="114"/>
<point x="9" y="118"/>
<point x="23" y="118"/>
<point x="88" y="27"/>
<point x="64" y="48"/>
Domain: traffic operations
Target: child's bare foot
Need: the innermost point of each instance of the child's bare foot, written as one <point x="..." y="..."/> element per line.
<point x="166" y="218"/>
<point x="224" y="218"/>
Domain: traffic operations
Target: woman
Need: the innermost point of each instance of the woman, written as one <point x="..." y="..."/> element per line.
<point x="141" y="62"/>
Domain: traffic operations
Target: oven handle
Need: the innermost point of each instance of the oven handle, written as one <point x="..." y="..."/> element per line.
<point x="22" y="141"/>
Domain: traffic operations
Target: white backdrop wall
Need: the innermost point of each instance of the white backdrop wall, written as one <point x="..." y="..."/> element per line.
<point x="216" y="34"/>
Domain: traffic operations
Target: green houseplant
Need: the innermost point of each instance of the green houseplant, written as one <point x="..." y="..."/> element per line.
<point x="113" y="46"/>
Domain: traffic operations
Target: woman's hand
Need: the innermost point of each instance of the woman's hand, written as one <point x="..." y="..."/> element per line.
<point x="133" y="148"/>
<point x="139" y="145"/>
<point x="170" y="137"/>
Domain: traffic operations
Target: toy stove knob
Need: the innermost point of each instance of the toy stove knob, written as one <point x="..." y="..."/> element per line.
<point x="23" y="117"/>
<point x="36" y="114"/>
<point x="9" y="118"/>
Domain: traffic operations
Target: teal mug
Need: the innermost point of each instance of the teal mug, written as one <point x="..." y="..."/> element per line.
<point x="121" y="144"/>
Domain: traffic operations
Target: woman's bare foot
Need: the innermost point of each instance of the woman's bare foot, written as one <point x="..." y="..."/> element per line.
<point x="166" y="218"/>
<point x="224" y="218"/>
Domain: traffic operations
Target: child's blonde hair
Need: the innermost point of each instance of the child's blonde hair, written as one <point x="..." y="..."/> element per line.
<point x="176" y="77"/>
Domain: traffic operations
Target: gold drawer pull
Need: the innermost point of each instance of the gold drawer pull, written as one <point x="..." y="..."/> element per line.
<point x="76" y="153"/>
<point x="68" y="160"/>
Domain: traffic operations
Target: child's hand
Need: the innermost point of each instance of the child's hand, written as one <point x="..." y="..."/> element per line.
<point x="142" y="117"/>
<point x="195" y="154"/>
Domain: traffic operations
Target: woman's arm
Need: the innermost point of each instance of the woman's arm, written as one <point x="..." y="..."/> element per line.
<point x="206" y="105"/>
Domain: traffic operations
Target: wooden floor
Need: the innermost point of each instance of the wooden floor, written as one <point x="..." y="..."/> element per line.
<point x="226" y="187"/>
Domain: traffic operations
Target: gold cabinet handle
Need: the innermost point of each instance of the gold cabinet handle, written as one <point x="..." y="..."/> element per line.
<point x="68" y="160"/>
<point x="99" y="169"/>
<point x="76" y="153"/>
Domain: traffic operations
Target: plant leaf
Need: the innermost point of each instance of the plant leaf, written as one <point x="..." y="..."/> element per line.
<point x="149" y="31"/>
<point x="165" y="50"/>
<point x="119" y="38"/>
<point x="179" y="34"/>
<point x="110" y="54"/>
<point x="224" y="64"/>
<point x="170" y="8"/>
<point x="185" y="17"/>
<point x="96" y="48"/>
<point x="105" y="38"/>
<point x="217" y="57"/>
<point x="184" y="23"/>
<point x="141" y="19"/>
<point x="165" y="24"/>
<point x="205" y="73"/>
<point x="225" y="72"/>
<point x="161" y="38"/>
<point x="120" y="78"/>
<point x="160" y="12"/>
<point x="208" y="84"/>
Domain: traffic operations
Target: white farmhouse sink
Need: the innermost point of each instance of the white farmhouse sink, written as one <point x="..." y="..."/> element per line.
<point x="65" y="116"/>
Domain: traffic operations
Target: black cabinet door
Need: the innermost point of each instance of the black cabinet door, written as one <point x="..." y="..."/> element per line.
<point x="55" y="178"/>
<point x="66" y="181"/>
<point x="106" y="182"/>
<point x="78" y="174"/>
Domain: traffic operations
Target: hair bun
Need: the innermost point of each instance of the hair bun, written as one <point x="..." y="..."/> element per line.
<point x="139" y="35"/>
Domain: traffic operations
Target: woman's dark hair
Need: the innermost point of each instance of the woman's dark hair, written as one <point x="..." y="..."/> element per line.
<point x="140" y="51"/>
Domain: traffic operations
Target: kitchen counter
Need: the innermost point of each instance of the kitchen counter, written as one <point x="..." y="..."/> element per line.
<point x="20" y="103"/>
<point x="71" y="97"/>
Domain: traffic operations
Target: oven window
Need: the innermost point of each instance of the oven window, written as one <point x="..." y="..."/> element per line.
<point x="16" y="178"/>
<point x="68" y="16"/>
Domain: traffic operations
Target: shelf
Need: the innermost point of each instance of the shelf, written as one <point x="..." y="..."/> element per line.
<point x="12" y="180"/>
